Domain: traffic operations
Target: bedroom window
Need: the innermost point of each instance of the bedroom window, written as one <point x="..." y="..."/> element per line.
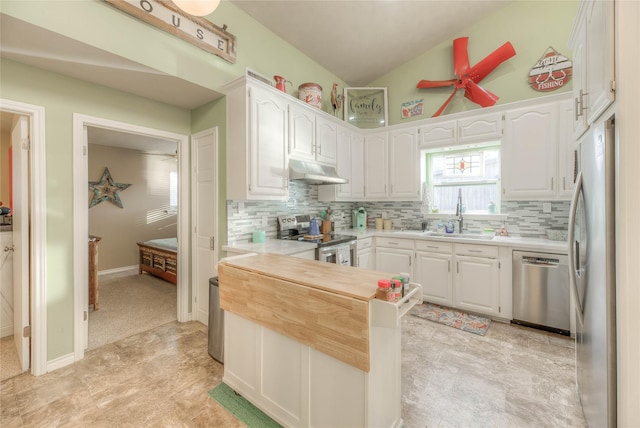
<point x="475" y="170"/>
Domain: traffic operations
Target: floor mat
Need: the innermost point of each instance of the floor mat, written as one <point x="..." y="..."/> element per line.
<point x="452" y="318"/>
<point x="241" y="408"/>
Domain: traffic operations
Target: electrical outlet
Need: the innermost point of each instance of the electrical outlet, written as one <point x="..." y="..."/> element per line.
<point x="546" y="207"/>
<point x="240" y="207"/>
<point x="383" y="214"/>
<point x="265" y="219"/>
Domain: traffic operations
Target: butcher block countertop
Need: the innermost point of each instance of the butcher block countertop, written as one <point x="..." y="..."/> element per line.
<point x="322" y="305"/>
<point x="347" y="281"/>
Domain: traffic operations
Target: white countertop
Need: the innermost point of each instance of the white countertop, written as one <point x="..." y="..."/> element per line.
<point x="516" y="242"/>
<point x="275" y="246"/>
<point x="285" y="247"/>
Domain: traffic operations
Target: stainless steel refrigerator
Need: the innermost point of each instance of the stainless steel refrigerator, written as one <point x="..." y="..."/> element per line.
<point x="592" y="271"/>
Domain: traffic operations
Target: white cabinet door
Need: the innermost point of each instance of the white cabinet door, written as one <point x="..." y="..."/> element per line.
<point x="349" y="165"/>
<point x="343" y="163"/>
<point x="257" y="127"/>
<point x="592" y="42"/>
<point x="477" y="284"/>
<point x="394" y="260"/>
<point x="441" y="134"/>
<point x="567" y="146"/>
<point x="268" y="142"/>
<point x="529" y="152"/>
<point x="404" y="166"/>
<point x="579" y="77"/>
<point x="357" y="166"/>
<point x="480" y="128"/>
<point x="600" y="59"/>
<point x="326" y="140"/>
<point x="241" y="354"/>
<point x="301" y="133"/>
<point x="365" y="250"/>
<point x="376" y="166"/>
<point x="433" y="272"/>
<point x="365" y="259"/>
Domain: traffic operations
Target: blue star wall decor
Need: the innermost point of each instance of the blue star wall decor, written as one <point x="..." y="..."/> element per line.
<point x="106" y="190"/>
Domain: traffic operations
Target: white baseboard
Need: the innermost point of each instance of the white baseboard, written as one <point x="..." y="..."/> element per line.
<point x="60" y="362"/>
<point x="118" y="270"/>
<point x="7" y="329"/>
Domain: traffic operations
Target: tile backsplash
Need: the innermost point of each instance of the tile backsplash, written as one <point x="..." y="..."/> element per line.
<point x="525" y="219"/>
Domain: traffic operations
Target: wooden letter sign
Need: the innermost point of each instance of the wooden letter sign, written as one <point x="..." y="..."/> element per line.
<point x="164" y="15"/>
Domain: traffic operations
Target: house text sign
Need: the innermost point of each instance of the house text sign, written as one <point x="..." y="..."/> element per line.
<point x="164" y="15"/>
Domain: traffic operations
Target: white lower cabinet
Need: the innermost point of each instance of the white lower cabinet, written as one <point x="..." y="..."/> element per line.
<point x="476" y="279"/>
<point x="366" y="258"/>
<point x="394" y="255"/>
<point x="462" y="276"/>
<point x="433" y="271"/>
<point x="301" y="387"/>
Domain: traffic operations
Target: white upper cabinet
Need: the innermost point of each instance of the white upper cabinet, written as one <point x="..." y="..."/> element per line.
<point x="349" y="165"/>
<point x="302" y="143"/>
<point x="257" y="142"/>
<point x="480" y="128"/>
<point x="529" y="152"/>
<point x="376" y="166"/>
<point x="439" y="134"/>
<point x="592" y="42"/>
<point x="404" y="166"/>
<point x="311" y="136"/>
<point x="326" y="140"/>
<point x="357" y="166"/>
<point x="567" y="155"/>
<point x="537" y="152"/>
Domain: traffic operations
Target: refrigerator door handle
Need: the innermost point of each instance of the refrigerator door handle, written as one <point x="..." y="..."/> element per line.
<point x="573" y="251"/>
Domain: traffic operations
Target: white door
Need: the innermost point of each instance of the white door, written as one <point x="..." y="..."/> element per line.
<point x="20" y="209"/>
<point x="204" y="150"/>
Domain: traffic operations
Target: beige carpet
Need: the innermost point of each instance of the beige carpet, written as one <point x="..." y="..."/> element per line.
<point x="9" y="363"/>
<point x="128" y="305"/>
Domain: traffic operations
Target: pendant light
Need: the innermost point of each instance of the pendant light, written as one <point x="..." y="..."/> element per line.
<point x="197" y="7"/>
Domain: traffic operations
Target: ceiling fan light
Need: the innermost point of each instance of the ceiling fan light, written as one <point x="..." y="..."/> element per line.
<point x="197" y="7"/>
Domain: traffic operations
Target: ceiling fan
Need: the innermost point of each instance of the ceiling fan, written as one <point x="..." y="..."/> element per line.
<point x="468" y="77"/>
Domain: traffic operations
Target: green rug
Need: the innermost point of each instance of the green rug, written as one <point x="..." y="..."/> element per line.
<point x="241" y="408"/>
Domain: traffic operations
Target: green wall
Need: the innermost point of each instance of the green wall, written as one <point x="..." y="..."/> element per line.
<point x="530" y="26"/>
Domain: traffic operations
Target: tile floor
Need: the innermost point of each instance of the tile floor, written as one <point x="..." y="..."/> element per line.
<point x="512" y="377"/>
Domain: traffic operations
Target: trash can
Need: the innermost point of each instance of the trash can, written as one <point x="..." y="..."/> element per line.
<point x="216" y="322"/>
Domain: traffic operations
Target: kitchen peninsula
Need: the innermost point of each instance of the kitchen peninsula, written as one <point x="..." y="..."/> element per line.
<point x="308" y="343"/>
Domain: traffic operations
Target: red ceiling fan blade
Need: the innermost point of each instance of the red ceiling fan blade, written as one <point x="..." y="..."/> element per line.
<point x="460" y="56"/>
<point x="478" y="95"/>
<point x="491" y="61"/>
<point x="436" y="83"/>
<point x="446" y="103"/>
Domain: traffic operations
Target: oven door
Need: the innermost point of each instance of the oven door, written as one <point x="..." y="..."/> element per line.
<point x="343" y="254"/>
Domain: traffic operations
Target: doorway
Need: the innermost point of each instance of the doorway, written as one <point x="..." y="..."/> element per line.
<point x="26" y="236"/>
<point x="82" y="125"/>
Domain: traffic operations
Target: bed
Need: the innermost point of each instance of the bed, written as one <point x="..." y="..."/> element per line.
<point x="158" y="257"/>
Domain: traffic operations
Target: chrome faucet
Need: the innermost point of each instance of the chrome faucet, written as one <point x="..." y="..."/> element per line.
<point x="459" y="218"/>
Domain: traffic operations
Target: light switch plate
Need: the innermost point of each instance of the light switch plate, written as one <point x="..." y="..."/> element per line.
<point x="546" y="207"/>
<point x="240" y="207"/>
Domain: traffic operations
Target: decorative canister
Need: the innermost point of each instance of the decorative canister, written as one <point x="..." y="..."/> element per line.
<point x="310" y="93"/>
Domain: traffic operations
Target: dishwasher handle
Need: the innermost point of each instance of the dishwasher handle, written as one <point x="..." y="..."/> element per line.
<point x="540" y="261"/>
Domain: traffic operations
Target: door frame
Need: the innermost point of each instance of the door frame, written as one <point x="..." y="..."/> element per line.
<point x="81" y="218"/>
<point x="38" y="233"/>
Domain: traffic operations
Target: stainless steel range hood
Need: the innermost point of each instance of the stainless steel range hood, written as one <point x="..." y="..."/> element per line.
<point x="314" y="173"/>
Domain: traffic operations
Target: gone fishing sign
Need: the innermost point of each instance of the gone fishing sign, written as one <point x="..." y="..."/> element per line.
<point x="551" y="71"/>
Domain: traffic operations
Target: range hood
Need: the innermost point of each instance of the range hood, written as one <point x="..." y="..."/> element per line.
<point x="314" y="173"/>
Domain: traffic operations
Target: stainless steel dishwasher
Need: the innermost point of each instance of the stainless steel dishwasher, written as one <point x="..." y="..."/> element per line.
<point x="541" y="291"/>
